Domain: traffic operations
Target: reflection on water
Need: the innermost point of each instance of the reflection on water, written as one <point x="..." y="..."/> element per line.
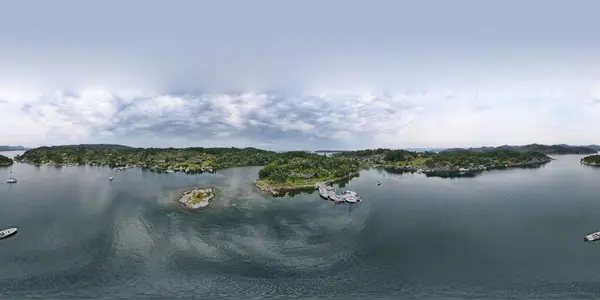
<point x="81" y="235"/>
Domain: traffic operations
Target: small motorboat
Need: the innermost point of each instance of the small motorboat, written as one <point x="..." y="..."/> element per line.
<point x="592" y="237"/>
<point x="111" y="178"/>
<point x="378" y="182"/>
<point x="7" y="232"/>
<point x="10" y="178"/>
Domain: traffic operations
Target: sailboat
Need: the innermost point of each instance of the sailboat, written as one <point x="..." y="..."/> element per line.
<point x="10" y="178"/>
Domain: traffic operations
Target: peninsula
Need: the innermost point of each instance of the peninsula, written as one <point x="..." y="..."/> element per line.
<point x="461" y="161"/>
<point x="197" y="198"/>
<point x="592" y="160"/>
<point x="299" y="170"/>
<point x="5" y="161"/>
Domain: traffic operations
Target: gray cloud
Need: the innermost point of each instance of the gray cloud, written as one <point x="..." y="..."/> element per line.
<point x="283" y="121"/>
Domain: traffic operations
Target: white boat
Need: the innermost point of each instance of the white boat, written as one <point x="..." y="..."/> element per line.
<point x="592" y="237"/>
<point x="350" y="199"/>
<point x="323" y="193"/>
<point x="10" y="178"/>
<point x="170" y="171"/>
<point x="7" y="232"/>
<point x="111" y="178"/>
<point x="378" y="182"/>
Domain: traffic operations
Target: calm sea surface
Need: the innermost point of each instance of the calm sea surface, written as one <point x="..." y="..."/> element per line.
<point x="504" y="234"/>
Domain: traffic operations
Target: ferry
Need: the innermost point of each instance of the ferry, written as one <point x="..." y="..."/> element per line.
<point x="7" y="232"/>
<point x="592" y="237"/>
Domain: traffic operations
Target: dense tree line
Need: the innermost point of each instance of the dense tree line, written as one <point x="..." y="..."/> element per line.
<point x="5" y="161"/>
<point x="592" y="159"/>
<point x="297" y="166"/>
<point x="452" y="157"/>
<point x="466" y="158"/>
<point x="160" y="157"/>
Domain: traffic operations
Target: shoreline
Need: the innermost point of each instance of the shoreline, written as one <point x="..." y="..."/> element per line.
<point x="187" y="196"/>
<point x="590" y="164"/>
<point x="456" y="170"/>
<point x="279" y="190"/>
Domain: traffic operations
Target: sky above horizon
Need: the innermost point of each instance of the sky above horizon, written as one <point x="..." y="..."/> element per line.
<point x="305" y="74"/>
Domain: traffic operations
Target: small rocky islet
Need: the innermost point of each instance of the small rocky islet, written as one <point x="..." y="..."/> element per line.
<point x="197" y="198"/>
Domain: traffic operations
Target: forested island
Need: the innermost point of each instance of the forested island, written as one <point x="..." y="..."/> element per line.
<point x="592" y="160"/>
<point x="296" y="170"/>
<point x="196" y="159"/>
<point x="5" y="161"/>
<point x="460" y="160"/>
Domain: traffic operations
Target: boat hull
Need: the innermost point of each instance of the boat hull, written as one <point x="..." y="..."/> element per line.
<point x="7" y="233"/>
<point x="592" y="237"/>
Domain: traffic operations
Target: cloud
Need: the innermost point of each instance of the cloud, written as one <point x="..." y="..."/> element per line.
<point x="284" y="121"/>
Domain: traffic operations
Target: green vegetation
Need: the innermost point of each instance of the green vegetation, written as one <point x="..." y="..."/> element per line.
<point x="591" y="160"/>
<point x="298" y="168"/>
<point x="181" y="159"/>
<point x="546" y="149"/>
<point x="448" y="160"/>
<point x="5" y="161"/>
<point x="200" y="196"/>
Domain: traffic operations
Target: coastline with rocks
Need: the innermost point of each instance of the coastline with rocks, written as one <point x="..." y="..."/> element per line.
<point x="278" y="190"/>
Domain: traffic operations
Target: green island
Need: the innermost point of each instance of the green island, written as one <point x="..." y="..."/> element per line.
<point x="197" y="198"/>
<point x="297" y="170"/>
<point x="592" y="160"/>
<point x="190" y="160"/>
<point x="455" y="160"/>
<point x="5" y="161"/>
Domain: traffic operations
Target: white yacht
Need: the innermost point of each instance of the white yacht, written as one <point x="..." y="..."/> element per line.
<point x="7" y="232"/>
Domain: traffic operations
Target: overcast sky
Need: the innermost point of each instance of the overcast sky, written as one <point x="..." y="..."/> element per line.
<point x="299" y="74"/>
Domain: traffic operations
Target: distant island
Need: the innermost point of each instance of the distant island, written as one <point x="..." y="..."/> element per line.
<point x="5" y="161"/>
<point x="12" y="148"/>
<point x="297" y="170"/>
<point x="455" y="160"/>
<point x="592" y="160"/>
